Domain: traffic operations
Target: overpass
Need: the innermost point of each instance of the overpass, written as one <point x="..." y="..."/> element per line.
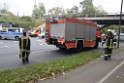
<point x="106" y="19"/>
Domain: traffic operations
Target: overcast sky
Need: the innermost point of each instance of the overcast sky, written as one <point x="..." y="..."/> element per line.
<point x="25" y="7"/>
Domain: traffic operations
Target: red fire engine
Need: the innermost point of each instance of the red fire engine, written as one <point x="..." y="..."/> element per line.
<point x="71" y="33"/>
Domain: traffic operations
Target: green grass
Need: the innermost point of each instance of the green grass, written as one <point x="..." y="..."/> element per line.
<point x="47" y="69"/>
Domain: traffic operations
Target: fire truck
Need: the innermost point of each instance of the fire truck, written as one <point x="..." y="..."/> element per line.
<point x="71" y="33"/>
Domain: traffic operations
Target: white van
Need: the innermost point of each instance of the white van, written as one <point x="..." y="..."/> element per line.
<point x="11" y="33"/>
<point x="121" y="36"/>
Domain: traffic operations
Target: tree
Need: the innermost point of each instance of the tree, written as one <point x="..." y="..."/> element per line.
<point x="69" y="13"/>
<point x="56" y="11"/>
<point x="87" y="7"/>
<point x="100" y="11"/>
<point x="3" y="11"/>
<point x="26" y="18"/>
<point x="38" y="22"/>
<point x="75" y="10"/>
<point x="9" y="18"/>
<point x="39" y="11"/>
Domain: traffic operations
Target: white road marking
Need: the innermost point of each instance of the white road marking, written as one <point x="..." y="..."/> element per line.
<point x="42" y="51"/>
<point x="15" y="41"/>
<point x="110" y="73"/>
<point x="8" y="46"/>
<point x="40" y="44"/>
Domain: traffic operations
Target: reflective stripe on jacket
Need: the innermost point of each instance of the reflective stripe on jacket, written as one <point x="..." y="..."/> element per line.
<point x="109" y="43"/>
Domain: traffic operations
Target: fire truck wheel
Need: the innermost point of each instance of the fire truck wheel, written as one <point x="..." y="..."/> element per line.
<point x="79" y="47"/>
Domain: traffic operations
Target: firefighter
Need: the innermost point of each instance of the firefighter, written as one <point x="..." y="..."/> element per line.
<point x="24" y="45"/>
<point x="109" y="40"/>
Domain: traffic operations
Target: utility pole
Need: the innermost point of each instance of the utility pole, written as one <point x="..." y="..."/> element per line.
<point x="120" y="24"/>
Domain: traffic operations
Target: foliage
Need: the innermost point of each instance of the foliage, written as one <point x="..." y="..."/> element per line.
<point x="26" y="22"/>
<point x="38" y="22"/>
<point x="87" y="7"/>
<point x="3" y="11"/>
<point x="39" y="11"/>
<point x="74" y="11"/>
<point x="56" y="11"/>
<point x="100" y="11"/>
<point x="30" y="74"/>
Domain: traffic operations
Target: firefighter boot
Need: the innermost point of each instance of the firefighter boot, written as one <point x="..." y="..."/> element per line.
<point x="109" y="57"/>
<point x="27" y="60"/>
<point x="23" y="61"/>
<point x="106" y="57"/>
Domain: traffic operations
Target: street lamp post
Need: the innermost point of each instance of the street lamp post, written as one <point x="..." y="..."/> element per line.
<point x="120" y="24"/>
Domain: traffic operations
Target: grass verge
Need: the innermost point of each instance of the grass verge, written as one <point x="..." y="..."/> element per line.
<point x="48" y="69"/>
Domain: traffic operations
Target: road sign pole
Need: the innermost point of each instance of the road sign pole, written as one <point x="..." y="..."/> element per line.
<point x="120" y="24"/>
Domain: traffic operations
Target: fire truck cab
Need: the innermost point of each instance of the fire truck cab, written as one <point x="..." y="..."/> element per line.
<point x="68" y="33"/>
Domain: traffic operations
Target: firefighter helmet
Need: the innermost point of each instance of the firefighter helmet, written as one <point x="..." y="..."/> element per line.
<point x="109" y="30"/>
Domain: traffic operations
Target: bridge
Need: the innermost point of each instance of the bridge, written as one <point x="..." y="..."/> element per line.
<point x="106" y="19"/>
<point x="101" y="19"/>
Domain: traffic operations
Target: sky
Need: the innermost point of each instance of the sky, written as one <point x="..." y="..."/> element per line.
<point x="25" y="7"/>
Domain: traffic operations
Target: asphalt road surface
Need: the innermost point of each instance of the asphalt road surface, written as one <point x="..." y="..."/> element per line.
<point x="40" y="51"/>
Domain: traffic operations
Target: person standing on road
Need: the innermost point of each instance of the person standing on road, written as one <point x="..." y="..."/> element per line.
<point x="24" y="45"/>
<point x="109" y="40"/>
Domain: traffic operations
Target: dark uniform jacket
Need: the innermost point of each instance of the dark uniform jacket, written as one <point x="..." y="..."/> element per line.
<point x="109" y="40"/>
<point x="24" y="44"/>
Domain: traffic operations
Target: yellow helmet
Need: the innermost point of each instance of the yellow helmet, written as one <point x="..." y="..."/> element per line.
<point x="109" y="30"/>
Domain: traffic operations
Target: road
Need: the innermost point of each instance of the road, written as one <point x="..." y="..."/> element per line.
<point x="40" y="51"/>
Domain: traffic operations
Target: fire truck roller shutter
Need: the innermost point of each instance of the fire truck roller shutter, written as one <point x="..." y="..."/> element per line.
<point x="80" y="31"/>
<point x="70" y="32"/>
<point x="87" y="35"/>
<point x="57" y="30"/>
<point x="93" y="36"/>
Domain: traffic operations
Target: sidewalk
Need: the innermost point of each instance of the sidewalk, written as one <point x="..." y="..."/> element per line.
<point x="93" y="72"/>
